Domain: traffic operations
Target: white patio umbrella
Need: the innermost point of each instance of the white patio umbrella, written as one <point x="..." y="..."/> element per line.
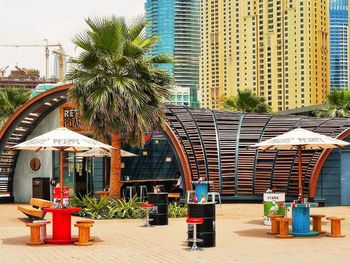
<point x="103" y="153"/>
<point x="300" y="139"/>
<point x="62" y="139"/>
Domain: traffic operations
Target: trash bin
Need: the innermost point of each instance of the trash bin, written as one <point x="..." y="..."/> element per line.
<point x="41" y="188"/>
<point x="271" y="206"/>
<point x="159" y="214"/>
<point x="205" y="231"/>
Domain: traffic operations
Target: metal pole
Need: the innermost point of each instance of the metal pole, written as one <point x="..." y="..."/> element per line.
<point x="61" y="173"/>
<point x="300" y="175"/>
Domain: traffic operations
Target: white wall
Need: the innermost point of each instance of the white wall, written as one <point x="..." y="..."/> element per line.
<point x="22" y="184"/>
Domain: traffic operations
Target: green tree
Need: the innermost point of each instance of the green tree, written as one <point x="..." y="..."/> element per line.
<point x="338" y="105"/>
<point x="245" y="101"/>
<point x="10" y="100"/>
<point x="117" y="85"/>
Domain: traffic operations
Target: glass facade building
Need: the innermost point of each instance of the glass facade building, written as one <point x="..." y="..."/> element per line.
<point x="176" y="23"/>
<point x="339" y="50"/>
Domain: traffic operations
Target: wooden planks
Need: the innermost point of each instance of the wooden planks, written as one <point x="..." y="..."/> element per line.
<point x="220" y="141"/>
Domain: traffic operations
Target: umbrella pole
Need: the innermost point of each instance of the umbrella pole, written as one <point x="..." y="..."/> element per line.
<point x="300" y="175"/>
<point x="105" y="170"/>
<point x="61" y="174"/>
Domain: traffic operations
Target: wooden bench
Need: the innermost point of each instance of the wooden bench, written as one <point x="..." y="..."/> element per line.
<point x="34" y="209"/>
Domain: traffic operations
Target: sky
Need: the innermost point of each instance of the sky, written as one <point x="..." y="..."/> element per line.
<point x="58" y="21"/>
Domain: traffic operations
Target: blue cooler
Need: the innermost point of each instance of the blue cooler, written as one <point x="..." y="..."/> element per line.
<point x="201" y="190"/>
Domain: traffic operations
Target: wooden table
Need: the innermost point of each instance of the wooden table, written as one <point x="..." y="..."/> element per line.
<point x="61" y="225"/>
<point x="301" y="219"/>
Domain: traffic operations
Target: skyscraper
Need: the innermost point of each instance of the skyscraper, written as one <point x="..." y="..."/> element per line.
<point x="176" y="23"/>
<point x="276" y="48"/>
<point x="339" y="43"/>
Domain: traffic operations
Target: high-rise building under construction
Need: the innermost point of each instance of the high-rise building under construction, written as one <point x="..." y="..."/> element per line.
<point x="277" y="48"/>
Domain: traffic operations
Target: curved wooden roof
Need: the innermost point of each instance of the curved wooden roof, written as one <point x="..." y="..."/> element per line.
<point x="209" y="143"/>
<point x="216" y="144"/>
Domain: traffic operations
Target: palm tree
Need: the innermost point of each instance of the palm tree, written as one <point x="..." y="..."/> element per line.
<point x="246" y="101"/>
<point x="10" y="100"/>
<point x="117" y="85"/>
<point x="338" y="105"/>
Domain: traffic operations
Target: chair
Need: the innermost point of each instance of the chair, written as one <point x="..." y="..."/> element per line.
<point x="335" y="226"/>
<point x="143" y="192"/>
<point x="148" y="207"/>
<point x="212" y="195"/>
<point x="317" y="222"/>
<point x="129" y="192"/>
<point x="284" y="227"/>
<point x="84" y="232"/>
<point x="34" y="238"/>
<point x="42" y="228"/>
<point x="275" y="225"/>
<point x="194" y="221"/>
<point x="188" y="195"/>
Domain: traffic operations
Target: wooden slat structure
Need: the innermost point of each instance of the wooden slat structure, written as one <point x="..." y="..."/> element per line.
<point x="20" y="125"/>
<point x="220" y="145"/>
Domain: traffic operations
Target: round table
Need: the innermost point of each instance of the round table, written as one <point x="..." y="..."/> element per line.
<point x="301" y="219"/>
<point x="61" y="225"/>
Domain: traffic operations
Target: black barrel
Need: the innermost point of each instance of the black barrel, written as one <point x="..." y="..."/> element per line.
<point x="205" y="231"/>
<point x="160" y="214"/>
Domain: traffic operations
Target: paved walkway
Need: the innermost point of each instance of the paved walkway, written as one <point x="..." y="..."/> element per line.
<point x="240" y="237"/>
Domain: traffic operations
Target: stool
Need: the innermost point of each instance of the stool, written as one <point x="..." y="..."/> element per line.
<point x="84" y="232"/>
<point x="275" y="226"/>
<point x="129" y="192"/>
<point x="147" y="207"/>
<point x="88" y="222"/>
<point x="188" y="195"/>
<point x="143" y="192"/>
<point x="316" y="222"/>
<point x="335" y="226"/>
<point x="213" y="195"/>
<point x="194" y="222"/>
<point x="160" y="187"/>
<point x="284" y="227"/>
<point x="34" y="238"/>
<point x="42" y="228"/>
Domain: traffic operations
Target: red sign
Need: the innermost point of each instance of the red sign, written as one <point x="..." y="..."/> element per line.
<point x="57" y="192"/>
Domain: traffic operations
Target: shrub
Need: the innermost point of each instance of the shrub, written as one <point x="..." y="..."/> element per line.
<point x="177" y="210"/>
<point x="125" y="209"/>
<point x="107" y="208"/>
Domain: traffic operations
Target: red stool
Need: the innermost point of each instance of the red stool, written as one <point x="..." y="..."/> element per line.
<point x="194" y="221"/>
<point x="148" y="207"/>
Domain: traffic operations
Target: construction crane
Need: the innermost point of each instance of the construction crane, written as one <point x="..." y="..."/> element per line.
<point x="47" y="53"/>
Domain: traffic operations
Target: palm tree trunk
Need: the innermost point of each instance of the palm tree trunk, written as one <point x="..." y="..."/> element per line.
<point x="115" y="173"/>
